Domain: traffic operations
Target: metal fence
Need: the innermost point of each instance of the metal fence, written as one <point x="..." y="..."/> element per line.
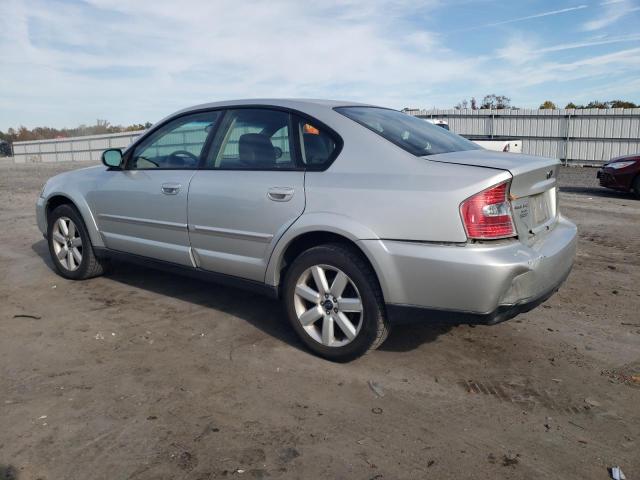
<point x="575" y="136"/>
<point x="589" y="136"/>
<point x="89" y="148"/>
<point x="75" y="149"/>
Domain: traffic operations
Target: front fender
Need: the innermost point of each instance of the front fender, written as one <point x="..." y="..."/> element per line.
<point x="77" y="199"/>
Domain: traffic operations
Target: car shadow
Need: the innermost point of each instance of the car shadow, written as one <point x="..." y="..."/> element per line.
<point x="598" y="192"/>
<point x="266" y="314"/>
<point x="404" y="338"/>
<point x="8" y="472"/>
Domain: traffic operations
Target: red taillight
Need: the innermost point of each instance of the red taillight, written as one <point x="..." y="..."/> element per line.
<point x="487" y="215"/>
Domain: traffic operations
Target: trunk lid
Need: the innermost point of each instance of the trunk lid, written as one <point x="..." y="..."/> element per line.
<point x="534" y="186"/>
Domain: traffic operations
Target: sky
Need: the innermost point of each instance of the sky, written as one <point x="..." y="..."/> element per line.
<point x="65" y="63"/>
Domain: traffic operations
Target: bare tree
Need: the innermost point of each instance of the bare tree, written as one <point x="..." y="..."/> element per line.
<point x="496" y="102"/>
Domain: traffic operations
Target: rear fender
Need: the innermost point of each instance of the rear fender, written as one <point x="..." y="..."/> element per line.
<point x="315" y="222"/>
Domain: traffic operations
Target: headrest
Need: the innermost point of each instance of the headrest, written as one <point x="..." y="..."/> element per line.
<point x="315" y="148"/>
<point x="256" y="150"/>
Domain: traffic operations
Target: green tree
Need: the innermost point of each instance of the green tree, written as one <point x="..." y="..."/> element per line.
<point x="597" y="104"/>
<point x="622" y="104"/>
<point x="548" y="105"/>
<point x="571" y="105"/>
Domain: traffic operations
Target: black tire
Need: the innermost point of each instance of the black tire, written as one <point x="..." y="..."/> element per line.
<point x="374" y="328"/>
<point x="636" y="187"/>
<point x="90" y="266"/>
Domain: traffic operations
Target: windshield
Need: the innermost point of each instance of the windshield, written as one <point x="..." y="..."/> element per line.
<point x="413" y="134"/>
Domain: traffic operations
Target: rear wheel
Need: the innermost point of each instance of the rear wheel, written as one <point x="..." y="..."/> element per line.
<point x="334" y="302"/>
<point x="70" y="246"/>
<point x="636" y="187"/>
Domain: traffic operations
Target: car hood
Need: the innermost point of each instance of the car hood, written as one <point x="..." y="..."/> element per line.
<point x="626" y="158"/>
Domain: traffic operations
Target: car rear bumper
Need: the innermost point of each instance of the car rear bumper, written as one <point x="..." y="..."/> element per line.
<point x="471" y="283"/>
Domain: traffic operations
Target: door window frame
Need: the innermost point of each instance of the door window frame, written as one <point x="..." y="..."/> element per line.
<point x="129" y="153"/>
<point x="223" y="132"/>
<point x="295" y="139"/>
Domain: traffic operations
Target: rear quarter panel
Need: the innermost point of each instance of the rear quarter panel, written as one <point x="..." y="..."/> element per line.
<point x="394" y="194"/>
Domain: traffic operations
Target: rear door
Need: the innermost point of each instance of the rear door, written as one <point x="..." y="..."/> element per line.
<point x="142" y="209"/>
<point x="250" y="191"/>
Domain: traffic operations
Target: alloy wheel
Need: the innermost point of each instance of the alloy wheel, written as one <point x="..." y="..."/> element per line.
<point x="328" y="305"/>
<point x="67" y="243"/>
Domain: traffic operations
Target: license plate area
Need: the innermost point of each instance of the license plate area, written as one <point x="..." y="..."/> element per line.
<point x="535" y="213"/>
<point x="539" y="209"/>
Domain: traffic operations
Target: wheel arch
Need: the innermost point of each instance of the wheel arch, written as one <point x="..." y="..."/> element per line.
<point x="57" y="199"/>
<point x="308" y="234"/>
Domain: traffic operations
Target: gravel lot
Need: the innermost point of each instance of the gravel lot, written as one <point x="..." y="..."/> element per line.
<point x="142" y="375"/>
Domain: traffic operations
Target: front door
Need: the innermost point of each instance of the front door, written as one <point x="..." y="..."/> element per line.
<point x="250" y="191"/>
<point x="142" y="209"/>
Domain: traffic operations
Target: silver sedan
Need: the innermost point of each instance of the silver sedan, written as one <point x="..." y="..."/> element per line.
<point x="356" y="216"/>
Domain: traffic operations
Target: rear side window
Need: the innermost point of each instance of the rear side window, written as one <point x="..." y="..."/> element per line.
<point x="412" y="134"/>
<point x="317" y="146"/>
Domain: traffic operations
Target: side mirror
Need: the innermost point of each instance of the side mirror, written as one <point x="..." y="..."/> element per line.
<point x="112" y="158"/>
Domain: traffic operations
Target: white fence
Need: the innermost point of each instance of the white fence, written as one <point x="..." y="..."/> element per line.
<point x="581" y="136"/>
<point x="587" y="136"/>
<point x="75" y="149"/>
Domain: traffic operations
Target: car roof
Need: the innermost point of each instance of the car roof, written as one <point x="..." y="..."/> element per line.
<point x="293" y="103"/>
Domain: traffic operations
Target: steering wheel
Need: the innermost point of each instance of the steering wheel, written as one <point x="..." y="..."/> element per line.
<point x="180" y="154"/>
<point x="140" y="157"/>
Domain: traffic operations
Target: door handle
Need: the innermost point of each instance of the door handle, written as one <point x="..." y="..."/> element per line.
<point x="280" y="194"/>
<point x="171" y="188"/>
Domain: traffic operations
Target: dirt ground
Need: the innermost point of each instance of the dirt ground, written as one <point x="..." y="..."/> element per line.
<point x="143" y="375"/>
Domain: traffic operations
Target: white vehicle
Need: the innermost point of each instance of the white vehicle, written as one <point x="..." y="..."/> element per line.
<point x="440" y="123"/>
<point x="513" y="146"/>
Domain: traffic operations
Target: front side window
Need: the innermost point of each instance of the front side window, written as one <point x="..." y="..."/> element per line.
<point x="317" y="146"/>
<point x="412" y="134"/>
<point x="176" y="145"/>
<point x="253" y="139"/>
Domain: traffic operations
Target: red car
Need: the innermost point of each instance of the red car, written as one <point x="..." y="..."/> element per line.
<point x="622" y="173"/>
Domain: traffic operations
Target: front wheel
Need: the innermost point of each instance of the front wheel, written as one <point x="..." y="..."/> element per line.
<point x="334" y="302"/>
<point x="636" y="187"/>
<point x="70" y="246"/>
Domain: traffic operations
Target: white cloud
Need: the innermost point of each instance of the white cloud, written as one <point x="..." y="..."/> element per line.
<point x="612" y="11"/>
<point x="133" y="61"/>
<point x="172" y="53"/>
<point x="528" y="17"/>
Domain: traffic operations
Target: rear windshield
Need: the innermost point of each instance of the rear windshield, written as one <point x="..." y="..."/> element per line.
<point x="413" y="134"/>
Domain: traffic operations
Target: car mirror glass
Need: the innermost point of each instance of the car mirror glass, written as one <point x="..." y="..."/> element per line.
<point x="112" y="158"/>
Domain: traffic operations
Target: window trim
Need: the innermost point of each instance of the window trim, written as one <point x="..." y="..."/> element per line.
<point x="337" y="140"/>
<point x="397" y="144"/>
<point x="216" y="144"/>
<point x="129" y="153"/>
<point x="214" y="132"/>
